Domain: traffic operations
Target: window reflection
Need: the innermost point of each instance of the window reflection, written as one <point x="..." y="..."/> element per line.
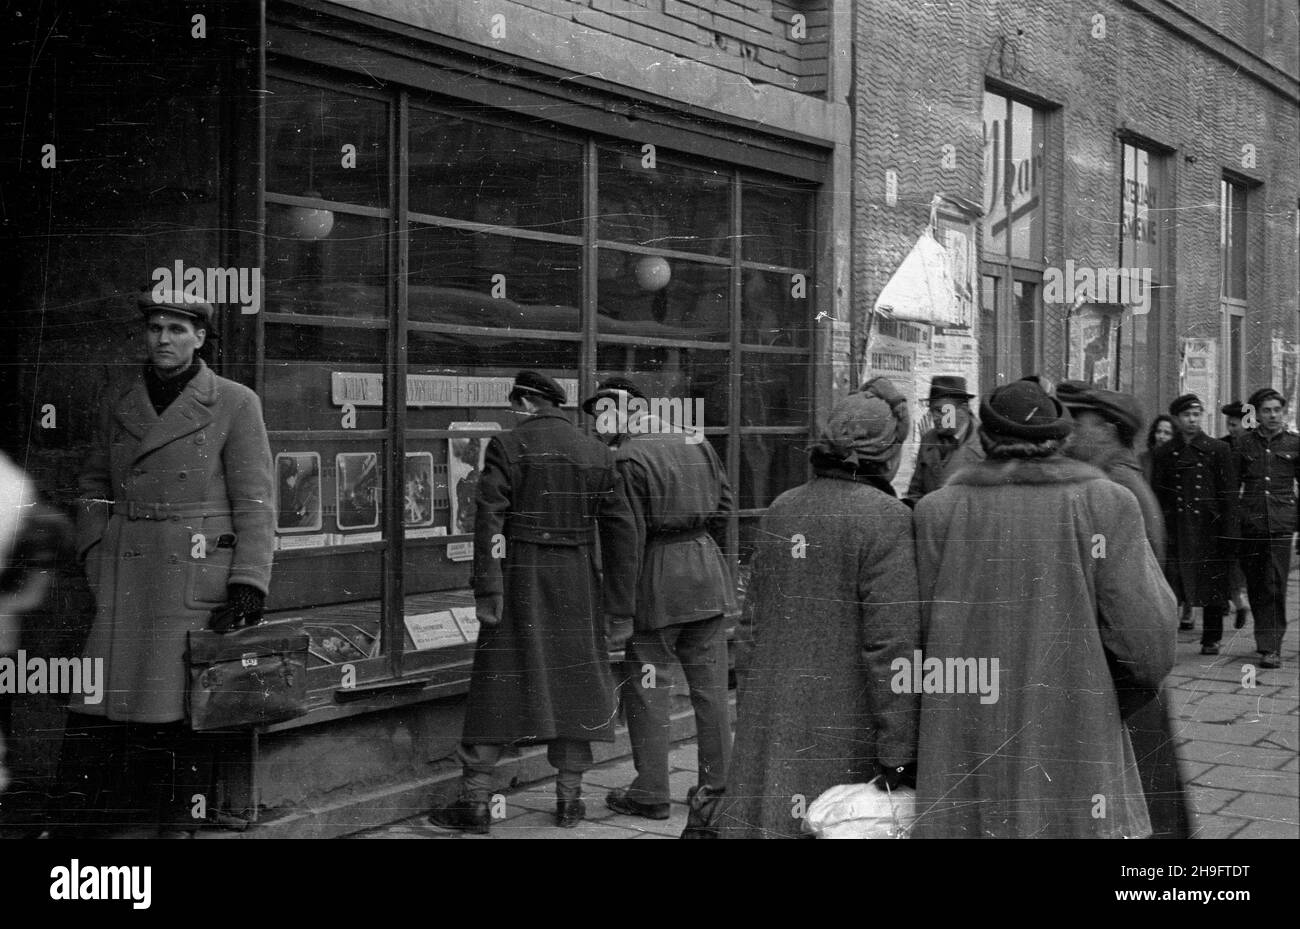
<point x="670" y="298"/>
<point x="341" y="274"/>
<point x="325" y="144"/>
<point x="667" y="206"/>
<point x="502" y="176"/>
<point x="483" y="279"/>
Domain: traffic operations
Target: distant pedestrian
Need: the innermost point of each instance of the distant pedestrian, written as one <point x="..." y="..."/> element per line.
<point x="1035" y="571"/>
<point x="1106" y="423"/>
<point x="1195" y="480"/>
<point x="680" y="498"/>
<point x="951" y="443"/>
<point x="1235" y="414"/>
<point x="1268" y="462"/>
<point x="1160" y="432"/>
<point x="832" y="605"/>
<point x="547" y="496"/>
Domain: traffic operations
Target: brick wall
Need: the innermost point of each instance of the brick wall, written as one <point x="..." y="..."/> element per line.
<point x="756" y="38"/>
<point x="921" y="71"/>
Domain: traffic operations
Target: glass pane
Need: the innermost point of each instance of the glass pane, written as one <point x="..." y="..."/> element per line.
<point x="326" y="263"/>
<point x="1027" y="317"/>
<point x="774" y="390"/>
<point x="776" y="308"/>
<point x="327" y="144"/>
<point x="490" y="174"/>
<point x="489" y="356"/>
<point x="776" y="225"/>
<point x="1235" y="357"/>
<point x="1026" y="182"/>
<point x="995" y="154"/>
<point x="665" y="206"/>
<point x="1233" y="240"/>
<point x="1138" y="230"/>
<point x="991" y="373"/>
<point x="666" y="371"/>
<point x="311" y="371"/>
<point x="769" y="466"/>
<point x="668" y="298"/>
<point x="480" y="279"/>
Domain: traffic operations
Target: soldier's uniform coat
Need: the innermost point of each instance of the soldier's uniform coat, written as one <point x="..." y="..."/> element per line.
<point x="1196" y="483"/>
<point x="158" y="492"/>
<point x="543" y="672"/>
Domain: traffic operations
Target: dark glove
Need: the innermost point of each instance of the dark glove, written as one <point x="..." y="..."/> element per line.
<point x="899" y="776"/>
<point x="243" y="608"/>
<point x="618" y="630"/>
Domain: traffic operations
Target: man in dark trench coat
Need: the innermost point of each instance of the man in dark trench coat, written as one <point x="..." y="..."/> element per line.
<point x="1195" y="479"/>
<point x="541" y="666"/>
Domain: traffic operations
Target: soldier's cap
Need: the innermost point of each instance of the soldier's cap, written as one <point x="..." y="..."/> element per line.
<point x="1185" y="402"/>
<point x="174" y="301"/>
<point x="612" y="387"/>
<point x="530" y="382"/>
<point x="1023" y="410"/>
<point x="1119" y="408"/>
<point x="1233" y="410"/>
<point x="1263" y="395"/>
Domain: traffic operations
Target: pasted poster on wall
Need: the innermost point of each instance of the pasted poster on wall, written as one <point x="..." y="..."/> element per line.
<point x="1199" y="371"/>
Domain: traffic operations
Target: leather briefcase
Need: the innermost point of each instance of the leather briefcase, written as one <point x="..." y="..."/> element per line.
<point x="254" y="675"/>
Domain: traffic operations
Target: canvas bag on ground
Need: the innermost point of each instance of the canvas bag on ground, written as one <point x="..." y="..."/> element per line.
<point x="252" y="676"/>
<point x="862" y="811"/>
<point x="921" y="290"/>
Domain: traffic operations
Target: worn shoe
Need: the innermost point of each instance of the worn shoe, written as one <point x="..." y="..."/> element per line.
<point x="568" y="813"/>
<point x="1212" y="649"/>
<point x="618" y="801"/>
<point x="465" y="815"/>
<point x="1271" y="660"/>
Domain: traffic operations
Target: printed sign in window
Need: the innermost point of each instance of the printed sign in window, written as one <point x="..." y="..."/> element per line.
<point x="297" y="492"/>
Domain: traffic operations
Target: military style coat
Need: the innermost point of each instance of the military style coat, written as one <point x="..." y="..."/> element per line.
<point x="174" y="508"/>
<point x="1268" y="468"/>
<point x="680" y="499"/>
<point x="547" y="497"/>
<point x="1043" y="566"/>
<point x="1196" y="484"/>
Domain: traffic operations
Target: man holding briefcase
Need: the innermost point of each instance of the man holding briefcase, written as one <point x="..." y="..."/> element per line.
<point x="176" y="529"/>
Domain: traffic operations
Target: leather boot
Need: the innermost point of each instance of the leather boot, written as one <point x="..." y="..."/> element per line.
<point x="568" y="813"/>
<point x="466" y="814"/>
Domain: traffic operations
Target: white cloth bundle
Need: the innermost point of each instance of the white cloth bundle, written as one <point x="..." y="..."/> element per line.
<point x="862" y="811"/>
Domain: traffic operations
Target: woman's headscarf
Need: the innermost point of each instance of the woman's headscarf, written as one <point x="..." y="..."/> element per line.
<point x="866" y="430"/>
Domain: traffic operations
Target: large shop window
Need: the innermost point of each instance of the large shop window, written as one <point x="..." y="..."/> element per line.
<point x="1232" y="299"/>
<point x="505" y="244"/>
<point x="1143" y="232"/>
<point x="1011" y="260"/>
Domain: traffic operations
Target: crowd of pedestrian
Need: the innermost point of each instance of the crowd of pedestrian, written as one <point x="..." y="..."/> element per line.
<point x="997" y="639"/>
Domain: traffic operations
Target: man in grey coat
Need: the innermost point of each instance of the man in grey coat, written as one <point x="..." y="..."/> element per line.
<point x="176" y="530"/>
<point x="680" y="499"/>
